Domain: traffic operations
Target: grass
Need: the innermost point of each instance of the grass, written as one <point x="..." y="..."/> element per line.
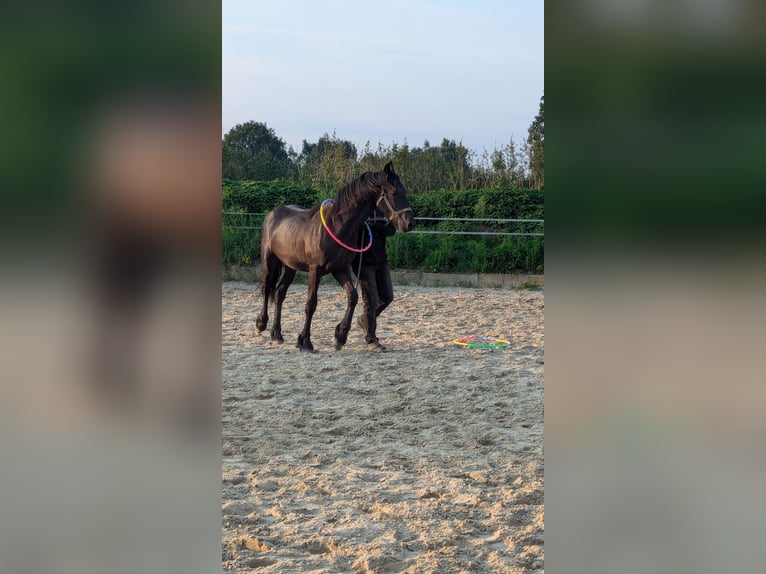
<point x="526" y="285"/>
<point x="249" y="274"/>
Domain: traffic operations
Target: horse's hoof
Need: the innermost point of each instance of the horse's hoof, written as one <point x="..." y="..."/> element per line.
<point x="260" y="325"/>
<point x="341" y="336"/>
<point x="339" y="344"/>
<point x="277" y="340"/>
<point x="304" y="344"/>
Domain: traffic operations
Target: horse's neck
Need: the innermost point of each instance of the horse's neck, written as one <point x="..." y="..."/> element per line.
<point x="360" y="213"/>
<point x="353" y="219"/>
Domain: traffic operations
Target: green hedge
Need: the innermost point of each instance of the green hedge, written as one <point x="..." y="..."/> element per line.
<point x="263" y="196"/>
<point x="506" y="203"/>
<point x="466" y="253"/>
<point x="436" y="253"/>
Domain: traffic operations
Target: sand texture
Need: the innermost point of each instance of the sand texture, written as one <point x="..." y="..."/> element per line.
<point x="428" y="458"/>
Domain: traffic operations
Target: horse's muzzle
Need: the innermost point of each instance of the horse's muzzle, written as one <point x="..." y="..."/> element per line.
<point x="403" y="220"/>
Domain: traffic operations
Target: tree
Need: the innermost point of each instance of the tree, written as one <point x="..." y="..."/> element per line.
<point x="329" y="164"/>
<point x="253" y="151"/>
<point x="516" y="162"/>
<point x="456" y="157"/>
<point x="536" y="143"/>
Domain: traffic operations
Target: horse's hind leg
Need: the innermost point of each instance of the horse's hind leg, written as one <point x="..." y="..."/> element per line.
<point x="342" y="328"/>
<point x="279" y="296"/>
<point x="270" y="270"/>
<point x="263" y="318"/>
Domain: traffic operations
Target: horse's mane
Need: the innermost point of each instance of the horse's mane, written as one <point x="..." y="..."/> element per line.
<point x="358" y="190"/>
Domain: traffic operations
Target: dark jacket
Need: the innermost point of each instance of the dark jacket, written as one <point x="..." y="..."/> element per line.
<point x="375" y="255"/>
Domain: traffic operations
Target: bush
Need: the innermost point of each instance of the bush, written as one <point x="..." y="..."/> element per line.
<point x="263" y="196"/>
<point x="466" y="254"/>
<point x="431" y="252"/>
<point x="240" y="246"/>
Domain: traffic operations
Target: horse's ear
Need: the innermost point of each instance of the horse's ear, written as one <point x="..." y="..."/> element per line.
<point x="389" y="169"/>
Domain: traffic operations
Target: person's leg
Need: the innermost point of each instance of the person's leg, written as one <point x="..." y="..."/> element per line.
<point x="370" y="298"/>
<point x="369" y="288"/>
<point x="385" y="288"/>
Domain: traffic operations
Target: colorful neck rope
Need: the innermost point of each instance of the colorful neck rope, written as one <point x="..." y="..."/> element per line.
<point x="338" y="241"/>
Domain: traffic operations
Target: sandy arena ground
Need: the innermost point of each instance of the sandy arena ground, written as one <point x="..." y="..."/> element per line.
<point x="428" y="458"/>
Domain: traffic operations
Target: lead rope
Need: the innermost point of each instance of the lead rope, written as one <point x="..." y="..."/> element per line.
<point x="361" y="254"/>
<point x="359" y="269"/>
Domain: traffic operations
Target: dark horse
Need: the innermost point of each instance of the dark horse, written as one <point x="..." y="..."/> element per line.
<point x="295" y="239"/>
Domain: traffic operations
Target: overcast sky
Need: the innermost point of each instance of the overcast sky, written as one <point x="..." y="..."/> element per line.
<point x="384" y="71"/>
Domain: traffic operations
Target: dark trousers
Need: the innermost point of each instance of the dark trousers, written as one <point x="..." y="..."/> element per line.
<point x="377" y="294"/>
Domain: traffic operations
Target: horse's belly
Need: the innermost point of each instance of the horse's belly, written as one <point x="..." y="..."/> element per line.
<point x="296" y="264"/>
<point x="291" y="252"/>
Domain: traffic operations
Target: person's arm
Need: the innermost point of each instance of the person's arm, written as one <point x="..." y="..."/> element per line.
<point x="381" y="227"/>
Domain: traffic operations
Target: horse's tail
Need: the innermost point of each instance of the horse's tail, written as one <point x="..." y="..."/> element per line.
<point x="271" y="266"/>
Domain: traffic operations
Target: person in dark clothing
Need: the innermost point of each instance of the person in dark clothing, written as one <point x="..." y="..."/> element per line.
<point x="374" y="278"/>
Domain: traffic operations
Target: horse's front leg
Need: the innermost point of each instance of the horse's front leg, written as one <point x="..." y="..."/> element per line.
<point x="304" y="339"/>
<point x="341" y="329"/>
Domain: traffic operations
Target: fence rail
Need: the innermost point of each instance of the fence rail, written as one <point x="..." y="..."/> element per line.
<point x="440" y="232"/>
<point x="496" y="219"/>
<point x="435" y="219"/>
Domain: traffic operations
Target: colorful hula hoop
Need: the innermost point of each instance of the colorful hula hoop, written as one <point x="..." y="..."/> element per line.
<point x="338" y="241"/>
<point x="481" y="342"/>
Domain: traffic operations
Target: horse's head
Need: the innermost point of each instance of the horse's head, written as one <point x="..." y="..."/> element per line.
<point x="392" y="201"/>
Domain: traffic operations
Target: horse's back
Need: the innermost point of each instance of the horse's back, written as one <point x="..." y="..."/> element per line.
<point x="296" y="208"/>
<point x="282" y="217"/>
